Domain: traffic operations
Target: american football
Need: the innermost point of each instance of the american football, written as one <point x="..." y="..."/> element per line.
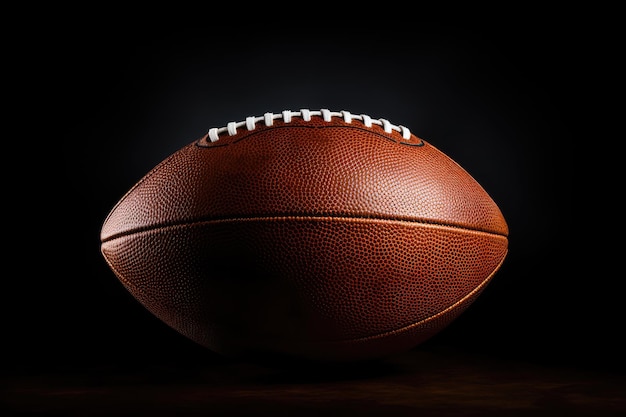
<point x="314" y="235"/>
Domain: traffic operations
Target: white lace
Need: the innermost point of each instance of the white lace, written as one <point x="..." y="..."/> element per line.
<point x="305" y="114"/>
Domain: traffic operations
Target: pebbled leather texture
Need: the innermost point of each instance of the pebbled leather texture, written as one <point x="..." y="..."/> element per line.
<point x="321" y="240"/>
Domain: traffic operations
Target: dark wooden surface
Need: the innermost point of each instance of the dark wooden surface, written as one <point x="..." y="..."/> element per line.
<point x="432" y="382"/>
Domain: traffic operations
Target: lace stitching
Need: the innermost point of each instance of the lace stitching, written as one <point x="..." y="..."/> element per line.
<point x="287" y="115"/>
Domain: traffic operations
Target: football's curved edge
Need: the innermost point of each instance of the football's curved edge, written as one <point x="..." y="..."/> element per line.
<point x="370" y="348"/>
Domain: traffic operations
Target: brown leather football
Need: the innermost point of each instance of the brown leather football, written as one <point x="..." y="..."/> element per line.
<point x="315" y="235"/>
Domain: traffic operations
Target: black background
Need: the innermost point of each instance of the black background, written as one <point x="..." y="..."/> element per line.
<point x="122" y="95"/>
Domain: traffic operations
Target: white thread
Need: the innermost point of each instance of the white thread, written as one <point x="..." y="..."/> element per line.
<point x="386" y="125"/>
<point x="213" y="135"/>
<point x="406" y="133"/>
<point x="305" y="114"/>
<point x="232" y="128"/>
<point x="250" y="123"/>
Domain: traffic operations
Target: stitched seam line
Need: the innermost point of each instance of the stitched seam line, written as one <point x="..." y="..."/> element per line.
<point x="362" y="219"/>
